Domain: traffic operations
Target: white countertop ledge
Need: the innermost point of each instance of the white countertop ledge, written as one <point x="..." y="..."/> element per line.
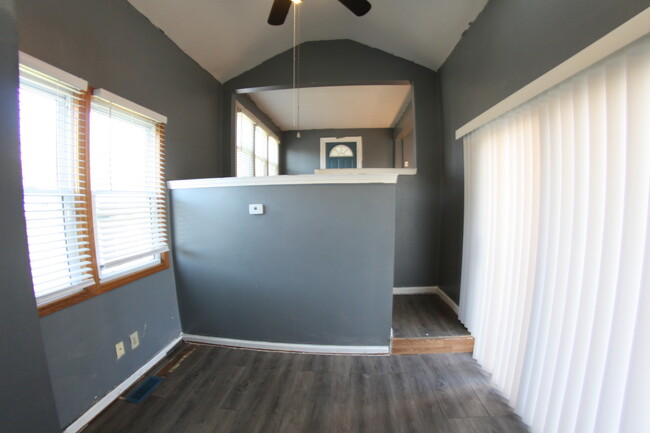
<point x="335" y="171"/>
<point x="302" y="179"/>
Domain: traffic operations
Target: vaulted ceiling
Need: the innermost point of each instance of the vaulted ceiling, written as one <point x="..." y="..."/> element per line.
<point x="228" y="37"/>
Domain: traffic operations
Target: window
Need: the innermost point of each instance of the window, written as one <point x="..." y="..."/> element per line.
<point x="94" y="193"/>
<point x="51" y="126"/>
<point x="127" y="188"/>
<point x="258" y="152"/>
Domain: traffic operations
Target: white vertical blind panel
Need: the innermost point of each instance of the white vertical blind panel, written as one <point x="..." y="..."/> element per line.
<point x="51" y="125"/>
<point x="555" y="272"/>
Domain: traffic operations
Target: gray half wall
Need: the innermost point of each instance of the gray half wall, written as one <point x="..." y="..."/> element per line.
<point x="511" y="43"/>
<point x="26" y="400"/>
<point x="302" y="155"/>
<point x="113" y="46"/>
<point x="316" y="268"/>
<point x="345" y="62"/>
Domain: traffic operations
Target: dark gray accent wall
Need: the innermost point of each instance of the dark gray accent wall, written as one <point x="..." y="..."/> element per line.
<point x="26" y="400"/>
<point x="316" y="268"/>
<point x="302" y="155"/>
<point x="110" y="44"/>
<point x="345" y="62"/>
<point x="80" y="340"/>
<point x="510" y="44"/>
<point x="403" y="134"/>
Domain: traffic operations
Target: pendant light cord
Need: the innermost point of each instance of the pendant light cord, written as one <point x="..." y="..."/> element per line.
<point x="296" y="68"/>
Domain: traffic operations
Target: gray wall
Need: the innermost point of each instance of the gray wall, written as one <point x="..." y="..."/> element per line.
<point x="341" y="62"/>
<point x="316" y="268"/>
<point x="113" y="46"/>
<point x="404" y="146"/>
<point x="26" y="400"/>
<point x="302" y="155"/>
<point x="511" y="43"/>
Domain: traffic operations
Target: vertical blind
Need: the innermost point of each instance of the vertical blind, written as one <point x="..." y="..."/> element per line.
<point x="51" y="125"/>
<point x="556" y="256"/>
<point x="127" y="183"/>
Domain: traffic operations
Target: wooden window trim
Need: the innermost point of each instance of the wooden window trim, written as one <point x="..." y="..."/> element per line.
<point x="99" y="287"/>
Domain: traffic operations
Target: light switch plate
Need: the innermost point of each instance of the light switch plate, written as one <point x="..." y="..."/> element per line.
<point x="256" y="209"/>
<point x="119" y="350"/>
<point x="135" y="340"/>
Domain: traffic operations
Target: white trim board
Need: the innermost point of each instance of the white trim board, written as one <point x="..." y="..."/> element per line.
<point x="288" y="347"/>
<point x="424" y="290"/>
<point x="447" y="300"/>
<point x="300" y="179"/>
<point x="109" y="398"/>
<point x="129" y="105"/>
<point x="334" y="171"/>
<point x="54" y="72"/>
<point x="615" y="40"/>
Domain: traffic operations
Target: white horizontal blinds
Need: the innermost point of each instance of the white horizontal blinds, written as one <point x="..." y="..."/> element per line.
<point x="52" y="121"/>
<point x="261" y="152"/>
<point x="245" y="146"/>
<point x="556" y="277"/>
<point x="274" y="156"/>
<point x="127" y="182"/>
<point x="258" y="151"/>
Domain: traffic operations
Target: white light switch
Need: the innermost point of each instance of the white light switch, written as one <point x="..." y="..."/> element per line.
<point x="256" y="209"/>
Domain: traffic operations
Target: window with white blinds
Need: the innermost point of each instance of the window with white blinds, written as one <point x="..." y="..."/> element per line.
<point x="93" y="181"/>
<point x="52" y="123"/>
<point x="258" y="151"/>
<point x="126" y="166"/>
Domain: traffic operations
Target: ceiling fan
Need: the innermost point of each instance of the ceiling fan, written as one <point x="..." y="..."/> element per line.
<point x="280" y="9"/>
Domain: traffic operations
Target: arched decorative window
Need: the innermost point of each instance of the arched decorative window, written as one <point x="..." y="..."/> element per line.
<point x="341" y="151"/>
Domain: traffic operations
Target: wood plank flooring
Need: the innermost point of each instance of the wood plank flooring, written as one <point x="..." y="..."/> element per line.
<point x="423" y="316"/>
<point x="220" y="390"/>
<point x="410" y="346"/>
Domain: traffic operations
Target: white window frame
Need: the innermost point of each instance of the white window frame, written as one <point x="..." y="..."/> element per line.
<point x="82" y="159"/>
<point x="257" y="123"/>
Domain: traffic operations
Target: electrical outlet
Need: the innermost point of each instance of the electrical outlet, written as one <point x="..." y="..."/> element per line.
<point x="135" y="340"/>
<point x="119" y="349"/>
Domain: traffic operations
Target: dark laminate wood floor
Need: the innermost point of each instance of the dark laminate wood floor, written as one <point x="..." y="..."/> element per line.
<point x="219" y="390"/>
<point x="419" y="316"/>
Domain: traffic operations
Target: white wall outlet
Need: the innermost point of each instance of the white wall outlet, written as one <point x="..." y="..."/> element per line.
<point x="256" y="209"/>
<point x="135" y="340"/>
<point x="119" y="349"/>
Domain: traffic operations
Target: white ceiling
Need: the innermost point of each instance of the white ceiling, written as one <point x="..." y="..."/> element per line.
<point x="339" y="107"/>
<point x="228" y="37"/>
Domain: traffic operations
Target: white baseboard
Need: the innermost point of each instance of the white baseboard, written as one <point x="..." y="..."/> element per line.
<point x="289" y="347"/>
<point x="102" y="404"/>
<point x="423" y="290"/>
<point x="448" y="300"/>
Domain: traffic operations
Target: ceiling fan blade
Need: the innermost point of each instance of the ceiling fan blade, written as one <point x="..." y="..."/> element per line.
<point x="358" y="7"/>
<point x="279" y="12"/>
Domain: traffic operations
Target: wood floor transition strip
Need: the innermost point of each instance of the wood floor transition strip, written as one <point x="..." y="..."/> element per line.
<point x="412" y="346"/>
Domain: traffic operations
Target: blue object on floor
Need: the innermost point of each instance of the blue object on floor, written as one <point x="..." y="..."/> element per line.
<point x="141" y="392"/>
